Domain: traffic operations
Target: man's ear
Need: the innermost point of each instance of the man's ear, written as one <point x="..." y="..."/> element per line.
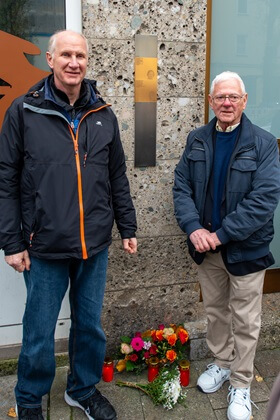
<point x="210" y="100"/>
<point x="49" y="59"/>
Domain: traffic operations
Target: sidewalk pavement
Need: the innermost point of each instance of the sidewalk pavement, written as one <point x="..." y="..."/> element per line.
<point x="132" y="404"/>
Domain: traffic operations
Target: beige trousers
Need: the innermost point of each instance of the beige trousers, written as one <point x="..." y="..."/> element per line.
<point x="233" y="306"/>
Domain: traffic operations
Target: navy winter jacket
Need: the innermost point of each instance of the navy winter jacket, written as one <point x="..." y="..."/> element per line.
<point x="252" y="189"/>
<point x="62" y="184"/>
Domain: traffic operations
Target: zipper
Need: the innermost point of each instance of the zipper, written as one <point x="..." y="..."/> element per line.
<point x="207" y="151"/>
<point x="245" y="157"/>
<point x="198" y="148"/>
<point x="79" y="177"/>
<point x="30" y="239"/>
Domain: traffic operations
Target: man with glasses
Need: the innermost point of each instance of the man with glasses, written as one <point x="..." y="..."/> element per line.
<point x="227" y="186"/>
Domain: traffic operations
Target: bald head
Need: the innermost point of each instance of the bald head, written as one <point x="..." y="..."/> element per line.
<point x="62" y="33"/>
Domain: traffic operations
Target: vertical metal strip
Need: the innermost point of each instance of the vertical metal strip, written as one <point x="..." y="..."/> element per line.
<point x="145" y="88"/>
<point x="208" y="59"/>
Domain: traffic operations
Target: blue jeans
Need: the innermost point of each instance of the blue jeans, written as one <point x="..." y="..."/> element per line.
<point x="46" y="283"/>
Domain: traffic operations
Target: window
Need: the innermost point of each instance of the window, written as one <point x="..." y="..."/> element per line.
<point x="242" y="7"/>
<point x="241" y="45"/>
<point x="256" y="58"/>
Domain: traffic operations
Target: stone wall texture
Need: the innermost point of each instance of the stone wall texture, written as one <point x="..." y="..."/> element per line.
<point x="159" y="284"/>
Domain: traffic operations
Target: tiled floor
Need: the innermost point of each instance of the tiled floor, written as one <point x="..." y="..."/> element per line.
<point x="132" y="404"/>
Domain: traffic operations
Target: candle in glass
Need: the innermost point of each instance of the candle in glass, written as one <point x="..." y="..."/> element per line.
<point x="108" y="370"/>
<point x="184" y="367"/>
<point x="153" y="368"/>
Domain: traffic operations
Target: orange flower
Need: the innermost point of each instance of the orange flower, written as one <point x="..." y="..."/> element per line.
<point x="146" y="334"/>
<point x="153" y="335"/>
<point x="183" y="336"/>
<point x="172" y="339"/>
<point x="159" y="335"/>
<point x="171" y="355"/>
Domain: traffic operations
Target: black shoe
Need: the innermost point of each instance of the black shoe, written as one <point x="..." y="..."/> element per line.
<point x="29" y="413"/>
<point x="96" y="407"/>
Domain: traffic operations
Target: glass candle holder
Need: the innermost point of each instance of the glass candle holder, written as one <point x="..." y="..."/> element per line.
<point x="184" y="367"/>
<point x="153" y="368"/>
<point x="108" y="370"/>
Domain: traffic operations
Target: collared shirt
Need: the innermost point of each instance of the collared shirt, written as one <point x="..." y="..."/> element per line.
<point x="228" y="129"/>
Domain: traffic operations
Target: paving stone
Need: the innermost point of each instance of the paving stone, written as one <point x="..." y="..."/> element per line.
<point x="258" y="414"/>
<point x="132" y="404"/>
<point x="7" y="398"/>
<point x="269" y="382"/>
<point x="196" y="406"/>
<point x="59" y="410"/>
<point x="268" y="362"/>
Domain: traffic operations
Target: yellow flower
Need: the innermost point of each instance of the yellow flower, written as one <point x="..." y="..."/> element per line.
<point x="167" y="332"/>
<point x="120" y="366"/>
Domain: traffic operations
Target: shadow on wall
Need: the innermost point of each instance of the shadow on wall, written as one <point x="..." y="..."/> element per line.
<point x="17" y="75"/>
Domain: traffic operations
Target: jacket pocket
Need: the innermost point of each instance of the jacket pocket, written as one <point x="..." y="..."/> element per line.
<point x="242" y="171"/>
<point x="197" y="161"/>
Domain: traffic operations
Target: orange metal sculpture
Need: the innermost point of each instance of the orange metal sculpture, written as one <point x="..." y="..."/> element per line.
<point x="17" y="75"/>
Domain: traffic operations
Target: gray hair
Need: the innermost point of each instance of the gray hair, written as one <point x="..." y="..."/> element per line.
<point x="227" y="75"/>
<point x="53" y="38"/>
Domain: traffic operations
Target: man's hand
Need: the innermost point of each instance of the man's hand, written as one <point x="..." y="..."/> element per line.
<point x="203" y="240"/>
<point x="130" y="245"/>
<point x="19" y="262"/>
<point x="216" y="239"/>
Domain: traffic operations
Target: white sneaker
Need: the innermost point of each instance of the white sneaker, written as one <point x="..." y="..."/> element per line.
<point x="212" y="379"/>
<point x="239" y="404"/>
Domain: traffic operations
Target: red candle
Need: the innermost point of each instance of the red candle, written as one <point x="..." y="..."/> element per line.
<point x="153" y="368"/>
<point x="108" y="370"/>
<point x="184" y="367"/>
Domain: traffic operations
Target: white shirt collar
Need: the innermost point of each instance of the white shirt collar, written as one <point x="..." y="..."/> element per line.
<point x="228" y="129"/>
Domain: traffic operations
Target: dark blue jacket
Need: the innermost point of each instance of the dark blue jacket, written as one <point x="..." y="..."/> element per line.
<point x="62" y="182"/>
<point x="252" y="189"/>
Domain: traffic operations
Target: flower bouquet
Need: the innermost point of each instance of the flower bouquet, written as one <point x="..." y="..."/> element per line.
<point x="165" y="389"/>
<point x="168" y="344"/>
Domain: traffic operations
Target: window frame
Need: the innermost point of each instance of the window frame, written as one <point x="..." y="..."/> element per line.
<point x="73" y="15"/>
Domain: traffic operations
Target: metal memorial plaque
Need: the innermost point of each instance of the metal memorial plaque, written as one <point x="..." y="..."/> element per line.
<point x="145" y="89"/>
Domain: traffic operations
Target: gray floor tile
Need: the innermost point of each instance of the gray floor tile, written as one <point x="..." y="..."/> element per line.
<point x="268" y="362"/>
<point x="59" y="410"/>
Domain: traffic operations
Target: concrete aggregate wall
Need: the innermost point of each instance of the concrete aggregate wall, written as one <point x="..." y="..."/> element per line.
<point x="159" y="284"/>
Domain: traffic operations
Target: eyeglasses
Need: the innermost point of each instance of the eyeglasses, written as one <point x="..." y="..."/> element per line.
<point x="233" y="98"/>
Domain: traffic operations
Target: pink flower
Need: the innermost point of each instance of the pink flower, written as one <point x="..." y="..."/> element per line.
<point x="137" y="343"/>
<point x="161" y="327"/>
<point x="138" y="334"/>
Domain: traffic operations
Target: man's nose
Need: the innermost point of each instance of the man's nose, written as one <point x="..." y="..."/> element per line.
<point x="227" y="101"/>
<point x="73" y="61"/>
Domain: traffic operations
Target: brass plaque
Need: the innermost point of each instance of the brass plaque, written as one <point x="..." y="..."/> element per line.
<point x="145" y="79"/>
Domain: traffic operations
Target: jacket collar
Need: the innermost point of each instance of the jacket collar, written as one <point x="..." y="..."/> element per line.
<point x="41" y="91"/>
<point x="207" y="131"/>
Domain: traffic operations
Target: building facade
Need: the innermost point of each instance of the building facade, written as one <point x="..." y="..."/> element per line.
<point x="159" y="284"/>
